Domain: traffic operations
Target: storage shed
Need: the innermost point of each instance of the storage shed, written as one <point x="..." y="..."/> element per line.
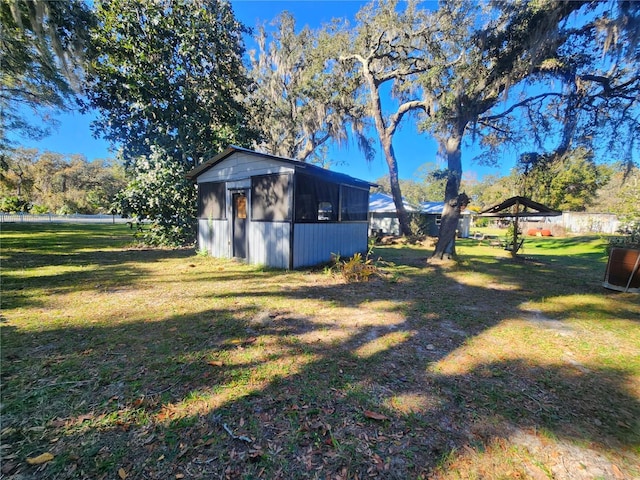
<point x="278" y="212"/>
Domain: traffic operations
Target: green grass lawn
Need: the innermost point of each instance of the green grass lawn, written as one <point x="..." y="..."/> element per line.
<point x="125" y="362"/>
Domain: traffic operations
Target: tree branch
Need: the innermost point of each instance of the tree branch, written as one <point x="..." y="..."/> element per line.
<point x="394" y="120"/>
<point x="372" y="52"/>
<point x="608" y="89"/>
<point x="494" y="127"/>
<point x="520" y="104"/>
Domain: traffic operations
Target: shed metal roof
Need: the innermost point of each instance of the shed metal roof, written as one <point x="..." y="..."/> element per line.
<point x="298" y="165"/>
<point x="437" y="208"/>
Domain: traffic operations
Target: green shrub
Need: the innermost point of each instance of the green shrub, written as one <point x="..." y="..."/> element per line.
<point x="481" y="222"/>
<point x="13" y="204"/>
<point x="39" y="209"/>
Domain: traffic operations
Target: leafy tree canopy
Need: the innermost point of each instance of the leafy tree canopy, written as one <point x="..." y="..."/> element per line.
<point x="168" y="80"/>
<point x="47" y="182"/>
<point x="298" y="103"/>
<point x="43" y="46"/>
<point x="621" y="195"/>
<point x="563" y="182"/>
<point x="169" y="74"/>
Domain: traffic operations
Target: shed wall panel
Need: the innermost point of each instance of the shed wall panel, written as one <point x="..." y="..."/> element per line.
<point x="240" y="166"/>
<point x="314" y="243"/>
<point x="214" y="237"/>
<point x="269" y="244"/>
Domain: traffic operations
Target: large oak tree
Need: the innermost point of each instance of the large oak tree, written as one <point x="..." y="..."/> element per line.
<point x="387" y="50"/>
<point x="298" y="102"/>
<point x="42" y="48"/>
<point x="578" y="80"/>
<point x="168" y="82"/>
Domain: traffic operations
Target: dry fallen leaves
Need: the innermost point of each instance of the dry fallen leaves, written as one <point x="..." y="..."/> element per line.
<point x="40" y="459"/>
<point x="375" y="415"/>
<point x="616" y="471"/>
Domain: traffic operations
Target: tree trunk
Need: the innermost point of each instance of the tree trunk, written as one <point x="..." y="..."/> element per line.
<point x="390" y="157"/>
<point x="385" y="134"/>
<point x="454" y="203"/>
<point x="514" y="247"/>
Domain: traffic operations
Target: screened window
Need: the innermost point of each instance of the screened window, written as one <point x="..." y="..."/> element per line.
<point x="316" y="200"/>
<point x="355" y="204"/>
<point x="325" y="211"/>
<point x="211" y="200"/>
<point x="270" y="197"/>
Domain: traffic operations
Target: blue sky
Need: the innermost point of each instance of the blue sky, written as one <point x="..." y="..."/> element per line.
<point x="413" y="149"/>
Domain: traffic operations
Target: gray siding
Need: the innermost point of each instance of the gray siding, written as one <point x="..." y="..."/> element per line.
<point x="214" y="237"/>
<point x="269" y="244"/>
<point x="314" y="243"/>
<point x="236" y="171"/>
<point x="464" y="226"/>
<point x="241" y="166"/>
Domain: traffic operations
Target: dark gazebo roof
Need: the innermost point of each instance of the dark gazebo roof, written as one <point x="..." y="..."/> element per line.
<point x="525" y="207"/>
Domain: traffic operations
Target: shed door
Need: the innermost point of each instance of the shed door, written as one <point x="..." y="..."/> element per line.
<point x="240" y="224"/>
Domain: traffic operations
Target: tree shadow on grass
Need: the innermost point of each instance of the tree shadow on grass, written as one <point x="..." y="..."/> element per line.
<point x="88" y="271"/>
<point x="352" y="407"/>
<point x="313" y="421"/>
<point x="385" y="394"/>
<point x="22" y="286"/>
<point x="551" y="256"/>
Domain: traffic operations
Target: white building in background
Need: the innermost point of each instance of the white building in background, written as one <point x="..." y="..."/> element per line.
<point x="384" y="219"/>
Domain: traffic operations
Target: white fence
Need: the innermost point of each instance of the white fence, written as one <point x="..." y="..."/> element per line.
<point x="51" y="218"/>
<point x="576" y="222"/>
<point x="582" y="222"/>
